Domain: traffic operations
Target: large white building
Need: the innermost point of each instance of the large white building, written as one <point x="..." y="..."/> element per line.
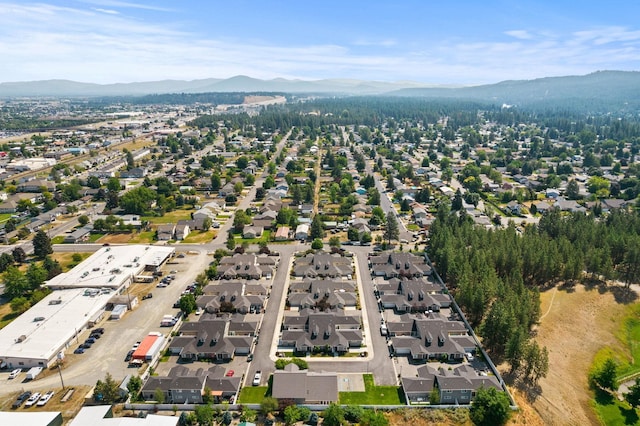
<point x="113" y="267"/>
<point x="38" y="337"/>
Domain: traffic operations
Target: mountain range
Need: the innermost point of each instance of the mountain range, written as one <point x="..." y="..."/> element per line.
<point x="239" y="83"/>
<point x="599" y="90"/>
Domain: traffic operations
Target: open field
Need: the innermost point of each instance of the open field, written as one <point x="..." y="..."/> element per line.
<point x="122" y="238"/>
<point x="575" y="325"/>
<point x="66" y="259"/>
<point x="144" y="237"/>
<point x="199" y="237"/>
<point x="169" y="217"/>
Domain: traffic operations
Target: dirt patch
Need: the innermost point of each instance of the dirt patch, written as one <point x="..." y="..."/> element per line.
<point x="577" y="324"/>
<point x="68" y="409"/>
<point x="116" y="238"/>
<point x="255" y="99"/>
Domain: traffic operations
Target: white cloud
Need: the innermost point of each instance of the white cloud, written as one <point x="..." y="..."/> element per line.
<point x="127" y="5"/>
<point x="519" y="34"/>
<point x="41" y="41"/>
<point x="107" y="11"/>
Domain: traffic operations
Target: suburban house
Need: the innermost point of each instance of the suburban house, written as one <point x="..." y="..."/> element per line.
<point x="302" y="232"/>
<point x="79" y="235"/>
<point x="247" y="266"/>
<point x="36" y="185"/>
<point x="226" y="189"/>
<point x="166" y="231"/>
<point x="412" y="295"/>
<point x="252" y="232"/>
<point x="456" y="386"/>
<point x="312" y="331"/>
<point x="419" y="213"/>
<point x="282" y="234"/>
<point x="430" y="336"/>
<point x="9" y="206"/>
<point x="303" y="387"/>
<point x="182" y="231"/>
<point x="209" y="339"/>
<point x="322" y="294"/>
<point x="185" y="386"/>
<point x="236" y="296"/>
<point x="134" y="173"/>
<point x="322" y="264"/>
<point x="394" y="264"/>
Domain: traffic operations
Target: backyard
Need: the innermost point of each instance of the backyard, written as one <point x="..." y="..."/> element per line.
<point x="373" y="395"/>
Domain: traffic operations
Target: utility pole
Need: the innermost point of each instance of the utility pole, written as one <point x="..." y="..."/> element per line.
<point x="60" y="369"/>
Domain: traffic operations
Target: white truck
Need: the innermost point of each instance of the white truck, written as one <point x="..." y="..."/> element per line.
<point x="34" y="372"/>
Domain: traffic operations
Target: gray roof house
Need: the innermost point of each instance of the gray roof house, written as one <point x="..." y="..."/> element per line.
<point x="331" y="332"/>
<point x="247" y="266"/>
<point x="394" y="264"/>
<point x="322" y="264"/>
<point x="185" y="386"/>
<point x="80" y="234"/>
<point x="166" y="231"/>
<point x="304" y="387"/>
<point x="456" y="386"/>
<point x="431" y="337"/>
<point x="233" y="295"/>
<point x="209" y="339"/>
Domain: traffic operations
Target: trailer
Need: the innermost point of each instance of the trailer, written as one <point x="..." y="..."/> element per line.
<point x="34" y="372"/>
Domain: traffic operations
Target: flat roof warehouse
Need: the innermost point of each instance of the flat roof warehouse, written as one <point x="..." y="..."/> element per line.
<point x="35" y="338"/>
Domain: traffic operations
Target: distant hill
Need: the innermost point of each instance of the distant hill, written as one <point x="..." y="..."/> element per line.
<point x="61" y="88"/>
<point x="602" y="90"/>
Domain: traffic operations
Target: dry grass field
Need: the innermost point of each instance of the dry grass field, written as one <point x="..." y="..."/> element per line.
<point x="577" y="324"/>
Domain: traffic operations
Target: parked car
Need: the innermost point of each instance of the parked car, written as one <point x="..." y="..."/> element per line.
<point x="256" y="378"/>
<point x="45" y="398"/>
<point x="33" y="399"/>
<point x="21" y="399"/>
<point x="15" y="373"/>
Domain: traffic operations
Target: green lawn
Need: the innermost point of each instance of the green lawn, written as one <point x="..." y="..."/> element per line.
<point x="266" y="236"/>
<point x="374" y="395"/>
<point x="610" y="410"/>
<point x="145" y="237"/>
<point x="95" y="237"/>
<point x="169" y="217"/>
<point x="613" y="412"/>
<point x="252" y="395"/>
<point x="197" y="237"/>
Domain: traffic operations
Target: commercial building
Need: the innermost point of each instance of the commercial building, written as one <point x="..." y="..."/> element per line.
<point x="37" y="337"/>
<point x="41" y="335"/>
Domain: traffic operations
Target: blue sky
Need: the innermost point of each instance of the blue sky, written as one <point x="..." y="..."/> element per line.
<point x="432" y="42"/>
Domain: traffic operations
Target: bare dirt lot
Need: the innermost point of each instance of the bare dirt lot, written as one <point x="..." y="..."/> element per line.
<point x="575" y="324"/>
